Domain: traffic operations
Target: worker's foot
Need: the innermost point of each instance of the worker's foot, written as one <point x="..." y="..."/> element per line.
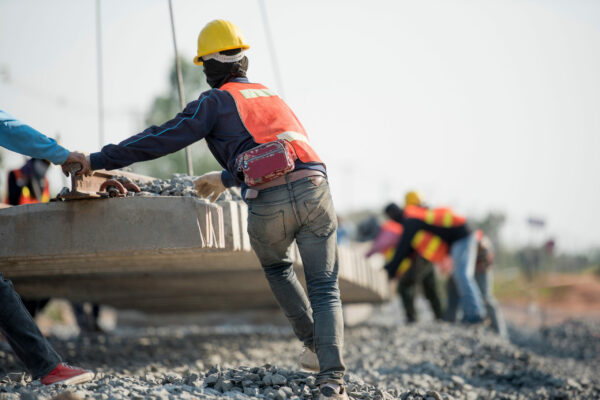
<point x="331" y="391"/>
<point x="474" y="320"/>
<point x="308" y="360"/>
<point x="66" y="375"/>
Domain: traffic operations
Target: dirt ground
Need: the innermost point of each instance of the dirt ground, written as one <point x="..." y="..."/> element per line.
<point x="552" y="298"/>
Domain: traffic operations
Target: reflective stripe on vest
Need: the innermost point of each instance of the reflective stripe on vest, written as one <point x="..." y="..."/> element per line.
<point x="266" y="116"/>
<point x="443" y="217"/>
<point x="431" y="247"/>
<point x="403" y="267"/>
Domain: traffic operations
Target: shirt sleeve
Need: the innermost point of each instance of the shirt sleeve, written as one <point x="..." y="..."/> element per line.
<point x="228" y="179"/>
<point x="22" y="138"/>
<point x="192" y="124"/>
<point x="404" y="248"/>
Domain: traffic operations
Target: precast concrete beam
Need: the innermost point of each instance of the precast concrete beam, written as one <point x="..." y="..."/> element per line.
<point x="153" y="254"/>
<point x="93" y="228"/>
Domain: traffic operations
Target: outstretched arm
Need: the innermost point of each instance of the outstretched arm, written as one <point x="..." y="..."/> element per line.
<point x="22" y="138"/>
<point x="189" y="126"/>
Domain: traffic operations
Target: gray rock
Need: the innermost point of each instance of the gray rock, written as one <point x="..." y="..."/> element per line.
<point x="267" y="379"/>
<point x="211" y="379"/>
<point x="251" y="391"/>
<point x="278" y="379"/>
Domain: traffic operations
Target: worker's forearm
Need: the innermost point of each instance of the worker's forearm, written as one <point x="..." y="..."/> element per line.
<point x="21" y="138"/>
<point x="189" y="126"/>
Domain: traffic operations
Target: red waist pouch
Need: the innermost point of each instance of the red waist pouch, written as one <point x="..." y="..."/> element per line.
<point x="266" y="162"/>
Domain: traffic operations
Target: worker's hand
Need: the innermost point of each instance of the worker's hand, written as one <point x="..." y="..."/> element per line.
<point x="209" y="184"/>
<point x="77" y="163"/>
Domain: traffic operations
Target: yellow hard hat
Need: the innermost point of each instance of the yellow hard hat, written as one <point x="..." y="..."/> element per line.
<point x="413" y="198"/>
<point x="219" y="35"/>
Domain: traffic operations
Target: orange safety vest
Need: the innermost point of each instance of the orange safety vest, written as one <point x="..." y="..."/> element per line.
<point x="443" y="216"/>
<point x="26" y="196"/>
<point x="266" y="116"/>
<point x="428" y="245"/>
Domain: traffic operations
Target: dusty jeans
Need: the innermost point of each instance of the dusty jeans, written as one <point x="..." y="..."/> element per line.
<point x="464" y="253"/>
<point x="484" y="282"/>
<point x="303" y="210"/>
<point x="23" y="334"/>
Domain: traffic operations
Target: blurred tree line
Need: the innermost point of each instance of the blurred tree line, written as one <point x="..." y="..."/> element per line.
<point x="164" y="108"/>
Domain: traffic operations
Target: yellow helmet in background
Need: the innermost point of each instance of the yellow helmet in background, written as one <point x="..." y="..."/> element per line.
<point x="219" y="35"/>
<point x="413" y="198"/>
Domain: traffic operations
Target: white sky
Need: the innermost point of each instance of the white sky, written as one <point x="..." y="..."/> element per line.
<point x="487" y="105"/>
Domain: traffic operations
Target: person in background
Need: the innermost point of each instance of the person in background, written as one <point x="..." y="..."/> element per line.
<point x="435" y="233"/>
<point x="484" y="279"/>
<point x="412" y="271"/>
<point x="16" y="324"/>
<point x="29" y="185"/>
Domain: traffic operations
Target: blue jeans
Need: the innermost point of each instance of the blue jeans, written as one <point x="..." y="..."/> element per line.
<point x="23" y="334"/>
<point x="464" y="253"/>
<point x="303" y="211"/>
<point x="484" y="281"/>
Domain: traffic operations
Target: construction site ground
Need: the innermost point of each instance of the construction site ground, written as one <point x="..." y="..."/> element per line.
<point x="254" y="355"/>
<point x="550" y="298"/>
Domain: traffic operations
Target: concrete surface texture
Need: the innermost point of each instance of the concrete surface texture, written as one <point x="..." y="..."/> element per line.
<point x="159" y="253"/>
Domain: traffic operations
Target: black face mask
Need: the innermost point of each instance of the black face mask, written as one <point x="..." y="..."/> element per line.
<point x="218" y="73"/>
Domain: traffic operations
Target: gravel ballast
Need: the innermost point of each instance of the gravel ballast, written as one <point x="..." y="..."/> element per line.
<point x="424" y="361"/>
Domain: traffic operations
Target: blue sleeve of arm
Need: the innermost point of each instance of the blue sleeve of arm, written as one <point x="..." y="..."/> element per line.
<point x="20" y="137"/>
<point x="189" y="126"/>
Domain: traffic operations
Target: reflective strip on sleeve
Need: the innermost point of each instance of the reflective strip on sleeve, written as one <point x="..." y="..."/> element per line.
<point x="448" y="220"/>
<point x="253" y="93"/>
<point x="291" y="136"/>
<point x="429" y="217"/>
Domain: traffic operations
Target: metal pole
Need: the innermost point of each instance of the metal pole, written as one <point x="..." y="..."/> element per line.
<point x="100" y="77"/>
<point x="271" y="44"/>
<point x="188" y="152"/>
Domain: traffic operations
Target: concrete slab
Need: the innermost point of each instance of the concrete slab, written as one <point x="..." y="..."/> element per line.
<point x="96" y="227"/>
<point x="157" y="254"/>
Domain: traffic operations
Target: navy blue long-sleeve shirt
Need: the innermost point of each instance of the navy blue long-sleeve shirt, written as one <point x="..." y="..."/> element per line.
<point x="213" y="116"/>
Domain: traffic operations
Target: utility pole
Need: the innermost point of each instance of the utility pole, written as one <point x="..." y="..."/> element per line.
<point x="271" y="44"/>
<point x="100" y="79"/>
<point x="188" y="152"/>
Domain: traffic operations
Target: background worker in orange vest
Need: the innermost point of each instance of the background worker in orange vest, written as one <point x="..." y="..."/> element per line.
<point x="484" y="279"/>
<point x="28" y="184"/>
<point x="234" y="118"/>
<point x="16" y="324"/>
<point x="434" y="233"/>
<point x="413" y="271"/>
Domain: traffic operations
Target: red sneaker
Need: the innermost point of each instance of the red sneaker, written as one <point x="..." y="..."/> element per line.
<point x="67" y="375"/>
